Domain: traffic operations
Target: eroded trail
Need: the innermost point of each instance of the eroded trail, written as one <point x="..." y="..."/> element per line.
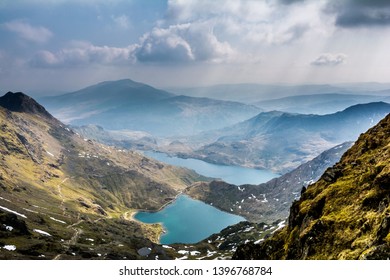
<point x="62" y="204"/>
<point x="77" y="231"/>
<point x="73" y="240"/>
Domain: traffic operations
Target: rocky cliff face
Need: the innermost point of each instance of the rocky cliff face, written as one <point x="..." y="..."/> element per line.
<point x="345" y="215"/>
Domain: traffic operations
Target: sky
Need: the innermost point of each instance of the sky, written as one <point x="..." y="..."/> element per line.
<point x="51" y="46"/>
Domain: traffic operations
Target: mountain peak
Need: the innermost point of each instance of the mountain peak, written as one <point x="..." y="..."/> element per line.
<point x="20" y="102"/>
<point x="127" y="82"/>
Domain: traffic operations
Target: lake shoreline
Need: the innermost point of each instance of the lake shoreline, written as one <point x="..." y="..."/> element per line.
<point x="165" y="230"/>
<point x="189" y="220"/>
<point x="131" y="217"/>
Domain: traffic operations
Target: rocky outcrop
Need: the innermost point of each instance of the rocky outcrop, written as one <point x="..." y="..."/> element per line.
<point x="20" y="102"/>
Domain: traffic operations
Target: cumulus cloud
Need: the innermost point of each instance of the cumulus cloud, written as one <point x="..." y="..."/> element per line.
<point x="83" y="53"/>
<point x="165" y="44"/>
<point x="360" y="13"/>
<point x="223" y="31"/>
<point x="182" y="43"/>
<point x="329" y="59"/>
<point x="36" y="34"/>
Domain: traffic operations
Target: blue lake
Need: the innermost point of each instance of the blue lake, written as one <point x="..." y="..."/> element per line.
<point x="188" y="221"/>
<point x="231" y="174"/>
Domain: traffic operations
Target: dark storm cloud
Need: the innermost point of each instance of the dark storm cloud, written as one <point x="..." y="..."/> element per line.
<point x="360" y="13"/>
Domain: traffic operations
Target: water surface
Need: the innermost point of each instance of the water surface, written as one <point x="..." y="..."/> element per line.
<point x="188" y="221"/>
<point x="231" y="174"/>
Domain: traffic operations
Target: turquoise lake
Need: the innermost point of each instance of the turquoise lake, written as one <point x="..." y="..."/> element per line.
<point x="188" y="221"/>
<point x="231" y="174"/>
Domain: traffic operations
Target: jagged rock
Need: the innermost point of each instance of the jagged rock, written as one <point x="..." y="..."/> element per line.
<point x="384" y="230"/>
<point x="331" y="174"/>
<point x="98" y="209"/>
<point x="145" y="251"/>
<point x="84" y="203"/>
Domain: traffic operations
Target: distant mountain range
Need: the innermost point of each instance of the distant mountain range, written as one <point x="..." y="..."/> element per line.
<point x="135" y="115"/>
<point x="129" y="105"/>
<point x="282" y="141"/>
<point x="327" y="103"/>
<point x="344" y="215"/>
<point x="253" y="93"/>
